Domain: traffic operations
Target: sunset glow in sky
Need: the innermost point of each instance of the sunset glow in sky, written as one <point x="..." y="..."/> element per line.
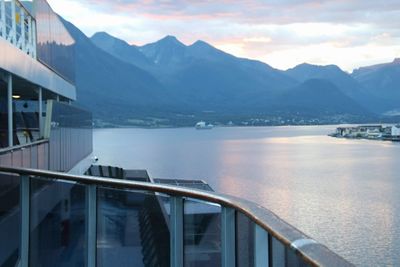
<point x="282" y="33"/>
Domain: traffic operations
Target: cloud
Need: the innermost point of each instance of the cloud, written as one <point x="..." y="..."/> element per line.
<point x="254" y="11"/>
<point x="274" y="30"/>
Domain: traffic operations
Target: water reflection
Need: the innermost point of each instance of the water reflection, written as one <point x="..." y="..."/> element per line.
<point x="344" y="193"/>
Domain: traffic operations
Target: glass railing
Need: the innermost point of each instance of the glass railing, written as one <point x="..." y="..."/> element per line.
<point x="33" y="155"/>
<point x="66" y="141"/>
<point x="63" y="220"/>
<point x="69" y="130"/>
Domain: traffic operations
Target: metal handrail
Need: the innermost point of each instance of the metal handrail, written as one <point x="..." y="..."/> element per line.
<point x="310" y="251"/>
<point x="13" y="148"/>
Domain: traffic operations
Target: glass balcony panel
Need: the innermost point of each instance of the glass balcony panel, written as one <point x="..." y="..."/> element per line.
<point x="70" y="136"/>
<point x="6" y="159"/>
<point x="10" y="219"/>
<point x="34" y="157"/>
<point x="132" y="229"/>
<point x="26" y="157"/>
<point x="58" y="223"/>
<point x="42" y="156"/>
<point x="245" y="241"/>
<point x="17" y="158"/>
<point x="278" y="253"/>
<point x="202" y="233"/>
<point x="293" y="259"/>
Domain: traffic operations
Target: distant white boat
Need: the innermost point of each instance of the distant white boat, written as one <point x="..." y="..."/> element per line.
<point x="201" y="125"/>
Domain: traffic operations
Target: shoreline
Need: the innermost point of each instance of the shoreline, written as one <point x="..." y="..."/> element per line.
<point x="229" y="126"/>
<point x="377" y="132"/>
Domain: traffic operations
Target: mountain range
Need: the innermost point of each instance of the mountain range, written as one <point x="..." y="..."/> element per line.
<point x="170" y="83"/>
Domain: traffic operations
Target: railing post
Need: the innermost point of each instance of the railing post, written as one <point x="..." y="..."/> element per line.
<point x="176" y="232"/>
<point x="10" y="110"/>
<point x="13" y="32"/>
<point x="25" y="220"/>
<point x="33" y="25"/>
<point x="40" y="99"/>
<point x="228" y="239"/>
<point x="29" y="37"/>
<point x="261" y="247"/>
<point x="3" y="18"/>
<point x="22" y="23"/>
<point x="91" y="219"/>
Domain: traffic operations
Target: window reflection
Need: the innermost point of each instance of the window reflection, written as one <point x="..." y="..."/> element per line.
<point x="55" y="46"/>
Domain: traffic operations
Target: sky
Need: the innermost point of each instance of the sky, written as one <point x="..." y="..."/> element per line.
<point x="281" y="33"/>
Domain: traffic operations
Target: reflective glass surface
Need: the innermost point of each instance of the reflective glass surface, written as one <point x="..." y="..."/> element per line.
<point x="202" y="234"/>
<point x="9" y="219"/>
<point x="132" y="229"/>
<point x="43" y="156"/>
<point x="17" y="158"/>
<point x="55" y="46"/>
<point x="245" y="241"/>
<point x="58" y="228"/>
<point x="70" y="136"/>
<point x="278" y="253"/>
<point x="292" y="259"/>
<point x="65" y="115"/>
<point x="3" y="116"/>
<point x="30" y="156"/>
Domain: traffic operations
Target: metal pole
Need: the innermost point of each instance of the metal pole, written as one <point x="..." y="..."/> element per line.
<point x="25" y="220"/>
<point x="22" y="37"/>
<point x="13" y="24"/>
<point x="33" y="38"/>
<point x="40" y="92"/>
<point x="3" y="18"/>
<point x="10" y="110"/>
<point x="228" y="239"/>
<point x="176" y="231"/>
<point x="261" y="247"/>
<point x="91" y="220"/>
<point x="29" y="46"/>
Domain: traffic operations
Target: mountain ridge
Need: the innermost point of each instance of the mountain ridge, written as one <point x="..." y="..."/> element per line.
<point x="111" y="88"/>
<point x="190" y="79"/>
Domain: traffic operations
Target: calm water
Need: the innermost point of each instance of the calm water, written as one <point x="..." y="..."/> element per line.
<point x="343" y="193"/>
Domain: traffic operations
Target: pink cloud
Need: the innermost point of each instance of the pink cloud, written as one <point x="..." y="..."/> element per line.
<point x="249" y="28"/>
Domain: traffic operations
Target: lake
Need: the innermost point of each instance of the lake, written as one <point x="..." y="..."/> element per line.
<point x="343" y="193"/>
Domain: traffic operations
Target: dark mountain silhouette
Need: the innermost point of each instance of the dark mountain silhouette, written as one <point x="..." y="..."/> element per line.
<point x="320" y="96"/>
<point x="382" y="81"/>
<point x="112" y="88"/>
<point x="167" y="78"/>
<point x="207" y="78"/>
<point x="344" y="81"/>
<point x="120" y="49"/>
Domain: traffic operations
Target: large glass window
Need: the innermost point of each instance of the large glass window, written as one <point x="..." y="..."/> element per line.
<point x="55" y="46"/>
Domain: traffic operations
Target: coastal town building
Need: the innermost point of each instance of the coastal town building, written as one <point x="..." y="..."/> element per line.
<point x="378" y="132"/>
<point x="395" y="130"/>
